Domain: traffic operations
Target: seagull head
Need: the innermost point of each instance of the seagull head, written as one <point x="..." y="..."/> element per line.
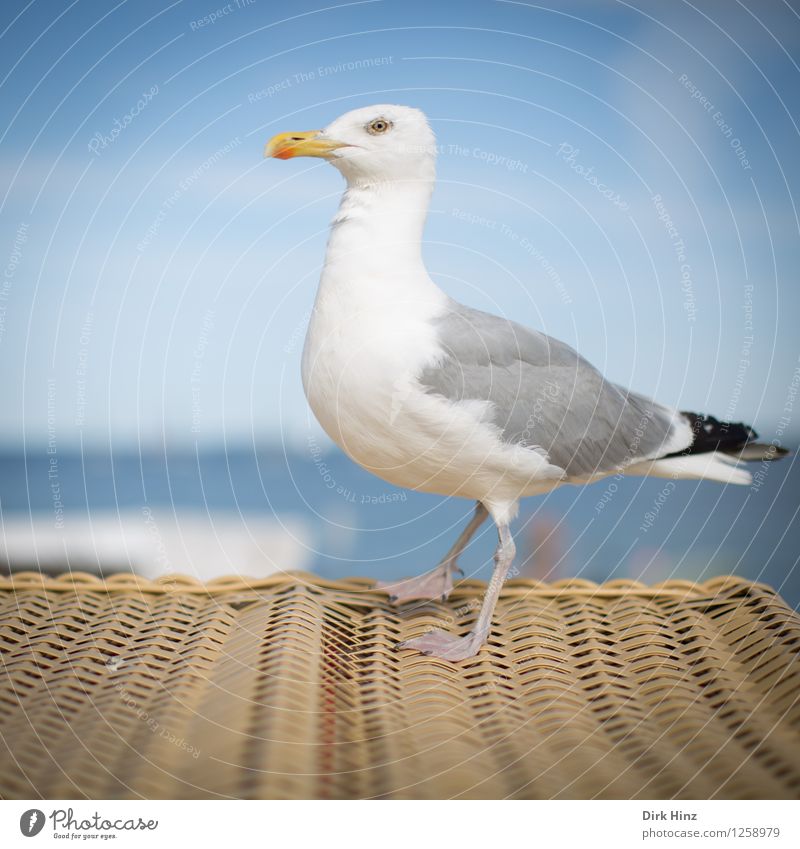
<point x="368" y="145"/>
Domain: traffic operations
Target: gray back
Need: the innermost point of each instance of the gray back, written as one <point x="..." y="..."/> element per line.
<point x="545" y="395"/>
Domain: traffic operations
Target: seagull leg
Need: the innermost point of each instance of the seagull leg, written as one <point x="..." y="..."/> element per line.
<point x="448" y="647"/>
<point x="438" y="583"/>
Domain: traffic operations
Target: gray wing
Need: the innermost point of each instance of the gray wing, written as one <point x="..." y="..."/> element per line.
<point x="545" y="395"/>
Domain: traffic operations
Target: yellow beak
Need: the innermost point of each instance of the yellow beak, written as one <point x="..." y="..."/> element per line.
<point x="287" y="145"/>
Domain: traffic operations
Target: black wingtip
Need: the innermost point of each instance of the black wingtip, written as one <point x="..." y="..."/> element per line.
<point x="710" y="434"/>
<point x="734" y="438"/>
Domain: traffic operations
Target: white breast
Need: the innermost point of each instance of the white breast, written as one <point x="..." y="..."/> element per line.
<point x="360" y="361"/>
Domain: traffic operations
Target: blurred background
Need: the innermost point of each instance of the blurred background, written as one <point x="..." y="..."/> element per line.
<point x="622" y="176"/>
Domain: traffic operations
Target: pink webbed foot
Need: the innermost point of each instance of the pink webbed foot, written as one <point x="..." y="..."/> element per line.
<point x="445" y="646"/>
<point x="432" y="586"/>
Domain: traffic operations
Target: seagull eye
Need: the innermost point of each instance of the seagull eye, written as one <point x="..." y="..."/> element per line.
<point x="378" y="126"/>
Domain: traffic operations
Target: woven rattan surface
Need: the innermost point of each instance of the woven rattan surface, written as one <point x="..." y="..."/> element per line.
<point x="291" y="687"/>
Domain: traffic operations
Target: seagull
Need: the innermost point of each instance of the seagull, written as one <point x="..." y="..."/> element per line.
<point x="434" y="396"/>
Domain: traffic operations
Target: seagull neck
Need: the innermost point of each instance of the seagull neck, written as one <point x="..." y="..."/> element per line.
<point x="379" y="225"/>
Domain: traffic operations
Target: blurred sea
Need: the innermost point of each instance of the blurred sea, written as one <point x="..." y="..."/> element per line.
<point x="255" y="510"/>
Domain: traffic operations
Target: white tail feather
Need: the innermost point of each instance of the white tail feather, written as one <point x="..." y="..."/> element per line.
<point x="712" y="466"/>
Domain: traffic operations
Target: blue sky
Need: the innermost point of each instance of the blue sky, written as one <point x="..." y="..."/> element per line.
<point x="620" y="175"/>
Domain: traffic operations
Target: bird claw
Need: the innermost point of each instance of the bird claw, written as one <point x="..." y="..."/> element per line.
<point x="445" y="646"/>
<point x="432" y="586"/>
